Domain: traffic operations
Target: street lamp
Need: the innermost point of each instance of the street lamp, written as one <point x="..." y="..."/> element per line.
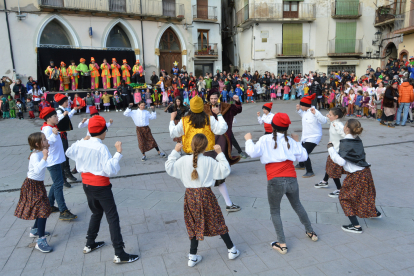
<point x="378" y="36"/>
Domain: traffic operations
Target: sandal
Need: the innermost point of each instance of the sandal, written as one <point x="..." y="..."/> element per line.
<point x="312" y="236"/>
<point x="276" y="246"/>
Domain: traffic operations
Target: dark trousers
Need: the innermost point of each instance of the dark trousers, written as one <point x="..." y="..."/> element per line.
<point x="100" y="201"/>
<point x="51" y="83"/>
<point x="65" y="143"/>
<point x="85" y="82"/>
<point x="235" y="144"/>
<point x="125" y="100"/>
<point x="40" y="225"/>
<point x="309" y="148"/>
<point x="225" y="238"/>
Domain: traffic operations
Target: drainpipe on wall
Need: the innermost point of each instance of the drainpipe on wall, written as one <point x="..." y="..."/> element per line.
<point x="142" y="36"/>
<point x="8" y="31"/>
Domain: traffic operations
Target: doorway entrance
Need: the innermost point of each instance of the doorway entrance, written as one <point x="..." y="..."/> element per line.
<point x="202" y="69"/>
<point x="170" y="51"/>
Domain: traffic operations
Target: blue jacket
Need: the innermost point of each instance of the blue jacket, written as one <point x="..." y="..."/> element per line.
<point x="411" y="70"/>
<point x="358" y="101"/>
<point x="1" y="89"/>
<point x="238" y="92"/>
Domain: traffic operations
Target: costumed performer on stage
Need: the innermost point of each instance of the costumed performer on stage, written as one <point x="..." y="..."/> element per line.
<point x="125" y="72"/>
<point x="106" y="74"/>
<point x="94" y="68"/>
<point x="116" y="75"/>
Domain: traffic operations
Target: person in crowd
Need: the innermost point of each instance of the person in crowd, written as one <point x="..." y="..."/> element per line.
<point x="390" y="102"/>
<point x="406" y="97"/>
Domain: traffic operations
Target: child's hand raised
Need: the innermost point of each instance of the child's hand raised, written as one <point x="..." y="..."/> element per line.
<point x="45" y="152"/>
<point x="55" y="131"/>
<point x="84" y="120"/>
<point x="111" y="121"/>
<point x="313" y="110"/>
<point x="248" y="136"/>
<point x="178" y="147"/>
<point x="297" y="107"/>
<point x="258" y="114"/>
<point x="217" y="148"/>
<point x="295" y="137"/>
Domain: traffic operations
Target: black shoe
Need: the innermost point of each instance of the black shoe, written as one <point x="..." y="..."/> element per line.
<point x="66" y="184"/>
<point x="67" y="215"/>
<point x="308" y="174"/>
<point x="299" y="167"/>
<point x="352" y="229"/>
<point x="391" y="125"/>
<point x="402" y="125"/>
<point x="233" y="208"/>
<point x="89" y="248"/>
<point x="54" y="209"/>
<point x="125" y="258"/>
<point x="383" y="123"/>
<point x="69" y="175"/>
<point x="396" y="124"/>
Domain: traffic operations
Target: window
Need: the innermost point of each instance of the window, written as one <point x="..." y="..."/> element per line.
<point x="287" y="67"/>
<point x="54" y="34"/>
<point x="168" y="8"/>
<point x="346" y="7"/>
<point x="202" y="39"/>
<point x="292" y="39"/>
<point x="349" y="68"/>
<point x="290" y="9"/>
<point x="118" y="38"/>
<point x="117" y="5"/>
<point x="345" y="41"/>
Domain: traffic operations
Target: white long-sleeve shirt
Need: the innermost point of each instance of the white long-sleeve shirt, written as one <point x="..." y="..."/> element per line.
<point x="92" y="156"/>
<point x="208" y="169"/>
<point x="348" y="166"/>
<point x="311" y="126"/>
<point x="267" y="119"/>
<point x="140" y="117"/>
<point x="37" y="166"/>
<point x="217" y="127"/>
<point x="60" y="113"/>
<point x="56" y="153"/>
<point x="336" y="130"/>
<point x="86" y="123"/>
<point x="264" y="148"/>
<point x="36" y="94"/>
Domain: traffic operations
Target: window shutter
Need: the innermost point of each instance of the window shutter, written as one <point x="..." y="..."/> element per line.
<point x="345" y="37"/>
<point x="292" y="39"/>
<point x="346" y="7"/>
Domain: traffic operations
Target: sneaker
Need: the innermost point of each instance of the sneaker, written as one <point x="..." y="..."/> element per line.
<point x="125" y="258"/>
<point x="299" y="167"/>
<point x="334" y="194"/>
<point x="116" y="110"/>
<point x="66" y="184"/>
<point x="144" y="158"/>
<point x="43" y="246"/>
<point x="193" y="260"/>
<point x="321" y="184"/>
<point x="352" y="229"/>
<point x="243" y="155"/>
<point x="308" y="174"/>
<point x="391" y="125"/>
<point x="163" y="155"/>
<point x="34" y="234"/>
<point x="411" y="121"/>
<point x="67" y="215"/>
<point x="383" y="123"/>
<point x="54" y="209"/>
<point x="396" y="124"/>
<point x="120" y="110"/>
<point x="233" y="208"/>
<point x="233" y="253"/>
<point x="69" y="176"/>
<point x="89" y="248"/>
<point x="379" y="120"/>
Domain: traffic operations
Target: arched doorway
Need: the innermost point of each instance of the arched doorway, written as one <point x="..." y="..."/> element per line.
<point x="55" y="34"/>
<point x="404" y="54"/>
<point x="118" y="38"/>
<point x="391" y="51"/>
<point x="170" y="50"/>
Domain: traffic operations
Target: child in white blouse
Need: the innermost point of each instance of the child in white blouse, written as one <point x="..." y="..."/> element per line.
<point x="202" y="214"/>
<point x="34" y="203"/>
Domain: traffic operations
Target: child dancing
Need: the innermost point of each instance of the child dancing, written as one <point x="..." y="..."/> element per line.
<point x="33" y="203"/>
<point x="278" y="152"/>
<point x="202" y="214"/>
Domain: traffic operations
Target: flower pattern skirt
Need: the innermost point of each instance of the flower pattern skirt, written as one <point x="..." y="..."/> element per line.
<point x="333" y="169"/>
<point x="33" y="202"/>
<point x="202" y="214"/>
<point x="357" y="196"/>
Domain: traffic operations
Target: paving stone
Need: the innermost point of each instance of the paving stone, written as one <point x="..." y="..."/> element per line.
<point x="309" y="271"/>
<point x="391" y="223"/>
<point x="394" y="261"/>
<point x="340" y="267"/>
<point x="154" y="266"/>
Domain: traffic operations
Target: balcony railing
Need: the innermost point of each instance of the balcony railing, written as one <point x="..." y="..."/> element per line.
<point x="386" y="14"/>
<point x="404" y="23"/>
<point x="346" y="9"/>
<point x="201" y="12"/>
<point x="132" y="7"/>
<point x="274" y="12"/>
<point x="205" y="50"/>
<point x="345" y="47"/>
<point x="291" y="49"/>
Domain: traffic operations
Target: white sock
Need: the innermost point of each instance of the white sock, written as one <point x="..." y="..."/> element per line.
<point x="192" y="257"/>
<point x="225" y="194"/>
<point x="233" y="249"/>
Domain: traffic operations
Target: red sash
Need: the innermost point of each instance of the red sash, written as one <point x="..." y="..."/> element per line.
<point x="280" y="169"/>
<point x="95" y="180"/>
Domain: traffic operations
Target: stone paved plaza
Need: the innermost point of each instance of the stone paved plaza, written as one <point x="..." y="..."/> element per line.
<point x="150" y="204"/>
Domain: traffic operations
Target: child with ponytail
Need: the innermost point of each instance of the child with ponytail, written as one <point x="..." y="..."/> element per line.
<point x="336" y="133"/>
<point x="202" y="214"/>
<point x="34" y="203"/>
<point x="278" y="152"/>
<point x="358" y="193"/>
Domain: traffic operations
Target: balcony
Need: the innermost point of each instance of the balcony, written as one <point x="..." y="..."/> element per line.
<point x="204" y="13"/>
<point x="291" y="50"/>
<point x="206" y="50"/>
<point x="404" y="24"/>
<point x="344" y="47"/>
<point x="275" y="12"/>
<point x="385" y="15"/>
<point x="150" y="9"/>
<point x="346" y="10"/>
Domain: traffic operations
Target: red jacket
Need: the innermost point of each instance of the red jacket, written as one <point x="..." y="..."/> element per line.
<point x="80" y="100"/>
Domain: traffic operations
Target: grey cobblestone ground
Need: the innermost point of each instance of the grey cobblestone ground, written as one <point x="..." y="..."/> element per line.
<point x="151" y="212"/>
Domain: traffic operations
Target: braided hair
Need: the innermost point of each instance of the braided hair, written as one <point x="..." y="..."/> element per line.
<point x="198" y="145"/>
<point x="275" y="137"/>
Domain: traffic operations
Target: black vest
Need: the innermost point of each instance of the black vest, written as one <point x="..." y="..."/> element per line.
<point x="65" y="124"/>
<point x="352" y="150"/>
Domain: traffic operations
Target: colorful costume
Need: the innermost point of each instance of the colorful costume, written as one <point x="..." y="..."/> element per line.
<point x="74" y="75"/>
<point x="83" y="68"/>
<point x="116" y="75"/>
<point x="63" y="73"/>
<point x="125" y="72"/>
<point x="94" y="68"/>
<point x="137" y="73"/>
<point x="106" y="75"/>
<point x="12" y="106"/>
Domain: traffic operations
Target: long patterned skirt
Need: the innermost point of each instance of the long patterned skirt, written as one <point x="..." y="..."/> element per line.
<point x="202" y="214"/>
<point x="33" y="202"/>
<point x="146" y="141"/>
<point x="333" y="169"/>
<point x="357" y="196"/>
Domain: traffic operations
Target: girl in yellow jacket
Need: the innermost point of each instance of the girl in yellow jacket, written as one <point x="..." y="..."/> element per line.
<point x="106" y="98"/>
